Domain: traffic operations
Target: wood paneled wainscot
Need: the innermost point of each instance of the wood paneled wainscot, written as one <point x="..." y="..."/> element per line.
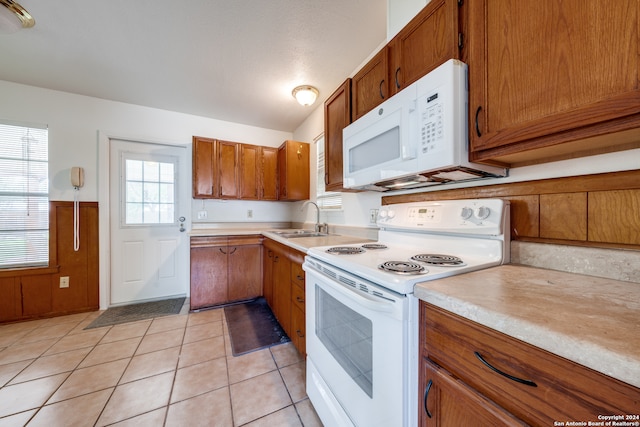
<point x="225" y="269"/>
<point x="29" y="293"/>
<point x="597" y="210"/>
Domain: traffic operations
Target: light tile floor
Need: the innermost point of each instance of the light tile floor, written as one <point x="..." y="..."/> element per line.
<point x="167" y="371"/>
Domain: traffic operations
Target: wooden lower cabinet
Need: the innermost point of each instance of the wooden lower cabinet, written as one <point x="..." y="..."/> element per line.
<point x="448" y="402"/>
<point x="283" y="286"/>
<point x="540" y="388"/>
<point x="225" y="269"/>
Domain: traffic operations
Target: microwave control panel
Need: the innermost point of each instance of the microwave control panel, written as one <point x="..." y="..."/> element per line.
<point x="431" y="122"/>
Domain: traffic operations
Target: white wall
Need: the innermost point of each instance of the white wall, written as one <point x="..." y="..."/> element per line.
<point x="400" y="12"/>
<point x="74" y="122"/>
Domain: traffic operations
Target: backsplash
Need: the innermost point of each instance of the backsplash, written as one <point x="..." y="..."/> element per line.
<point x="617" y="264"/>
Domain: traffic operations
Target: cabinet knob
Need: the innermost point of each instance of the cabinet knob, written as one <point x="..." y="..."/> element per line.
<point x="300" y="300"/>
<point x="299" y="333"/>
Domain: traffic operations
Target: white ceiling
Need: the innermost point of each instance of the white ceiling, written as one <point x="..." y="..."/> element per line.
<point x="233" y="60"/>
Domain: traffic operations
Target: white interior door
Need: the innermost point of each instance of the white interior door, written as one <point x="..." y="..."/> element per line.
<point x="149" y="207"/>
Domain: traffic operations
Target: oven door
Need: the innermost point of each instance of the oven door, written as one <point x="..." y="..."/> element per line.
<point x="357" y="350"/>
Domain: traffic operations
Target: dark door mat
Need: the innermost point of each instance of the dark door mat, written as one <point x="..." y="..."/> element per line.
<point x="252" y="326"/>
<point x="135" y="312"/>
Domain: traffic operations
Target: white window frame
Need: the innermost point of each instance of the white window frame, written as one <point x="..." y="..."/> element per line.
<point x="125" y="155"/>
<point x="24" y="195"/>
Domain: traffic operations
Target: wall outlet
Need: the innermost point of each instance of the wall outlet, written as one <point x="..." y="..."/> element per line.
<point x="64" y="281"/>
<point x="202" y="214"/>
<point x="250" y="213"/>
<point x="373" y="215"/>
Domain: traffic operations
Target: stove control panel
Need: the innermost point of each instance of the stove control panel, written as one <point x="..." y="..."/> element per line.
<point x="473" y="216"/>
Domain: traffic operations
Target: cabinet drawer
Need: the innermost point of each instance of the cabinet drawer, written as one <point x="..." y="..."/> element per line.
<point x="297" y="296"/>
<point x="297" y="274"/>
<point x="559" y="389"/>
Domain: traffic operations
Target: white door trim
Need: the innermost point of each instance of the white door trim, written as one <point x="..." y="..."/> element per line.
<point x="104" y="205"/>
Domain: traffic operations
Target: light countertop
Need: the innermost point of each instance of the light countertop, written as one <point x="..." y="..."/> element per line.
<point x="300" y="243"/>
<point x="589" y="320"/>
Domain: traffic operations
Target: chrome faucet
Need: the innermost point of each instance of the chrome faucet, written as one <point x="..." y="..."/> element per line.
<point x="319" y="228"/>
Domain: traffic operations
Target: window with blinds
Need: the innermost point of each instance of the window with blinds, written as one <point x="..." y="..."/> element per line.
<point x="325" y="199"/>
<point x="24" y="195"/>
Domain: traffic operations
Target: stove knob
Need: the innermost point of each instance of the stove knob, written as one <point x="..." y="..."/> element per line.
<point x="392" y="214"/>
<point x="383" y="214"/>
<point x="482" y="212"/>
<point x="466" y="213"/>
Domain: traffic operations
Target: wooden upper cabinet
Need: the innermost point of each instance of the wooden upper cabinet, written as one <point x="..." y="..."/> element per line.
<point x="337" y="115"/>
<point x="232" y="170"/>
<point x="430" y="39"/>
<point x="250" y="171"/>
<point x="370" y="86"/>
<point x="293" y="171"/>
<point x="228" y="176"/>
<point x="551" y="79"/>
<point x="269" y="176"/>
<point x="204" y="169"/>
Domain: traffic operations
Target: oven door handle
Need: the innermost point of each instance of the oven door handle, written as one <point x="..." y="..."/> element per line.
<point x="368" y="301"/>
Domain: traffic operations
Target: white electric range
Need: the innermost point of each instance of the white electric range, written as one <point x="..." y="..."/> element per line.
<point x="362" y="355"/>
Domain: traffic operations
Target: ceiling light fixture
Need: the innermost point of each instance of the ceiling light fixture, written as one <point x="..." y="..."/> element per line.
<point x="306" y="95"/>
<point x="13" y="17"/>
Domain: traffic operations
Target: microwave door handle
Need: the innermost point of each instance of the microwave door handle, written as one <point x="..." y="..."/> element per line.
<point x="410" y="144"/>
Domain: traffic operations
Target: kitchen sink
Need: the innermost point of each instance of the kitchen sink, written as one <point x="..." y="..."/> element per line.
<point x="290" y="234"/>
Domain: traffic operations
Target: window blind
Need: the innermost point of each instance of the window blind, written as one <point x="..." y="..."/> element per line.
<point x="24" y="195"/>
<point x="325" y="199"/>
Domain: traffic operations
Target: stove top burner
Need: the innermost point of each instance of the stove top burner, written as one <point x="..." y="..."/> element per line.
<point x="402" y="267"/>
<point x="438" y="259"/>
<point x="374" y="246"/>
<point x="345" y="250"/>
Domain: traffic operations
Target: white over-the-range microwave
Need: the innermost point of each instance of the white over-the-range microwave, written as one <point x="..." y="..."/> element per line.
<point x="416" y="138"/>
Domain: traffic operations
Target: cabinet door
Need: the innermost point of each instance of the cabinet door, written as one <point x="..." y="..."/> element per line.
<point x="269" y="177"/>
<point x="245" y="271"/>
<point x="298" y="328"/>
<point x="267" y="277"/>
<point x="228" y="170"/>
<point x="282" y="290"/>
<point x="293" y="167"/>
<point x="446" y="401"/>
<point x="370" y="85"/>
<point x="428" y="40"/>
<point x="250" y="171"/>
<point x="208" y="272"/>
<point x="546" y="73"/>
<point x="337" y="115"/>
<point x="203" y="169"/>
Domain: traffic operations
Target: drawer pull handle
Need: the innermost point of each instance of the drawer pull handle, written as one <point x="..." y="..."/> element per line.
<point x="477" y="124"/>
<point x="299" y="333"/>
<point x="504" y="374"/>
<point x="299" y="277"/>
<point x="426" y="396"/>
<point x="300" y="300"/>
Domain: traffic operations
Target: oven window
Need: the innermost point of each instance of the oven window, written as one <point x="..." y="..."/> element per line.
<point x="348" y="337"/>
<point x="376" y="151"/>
